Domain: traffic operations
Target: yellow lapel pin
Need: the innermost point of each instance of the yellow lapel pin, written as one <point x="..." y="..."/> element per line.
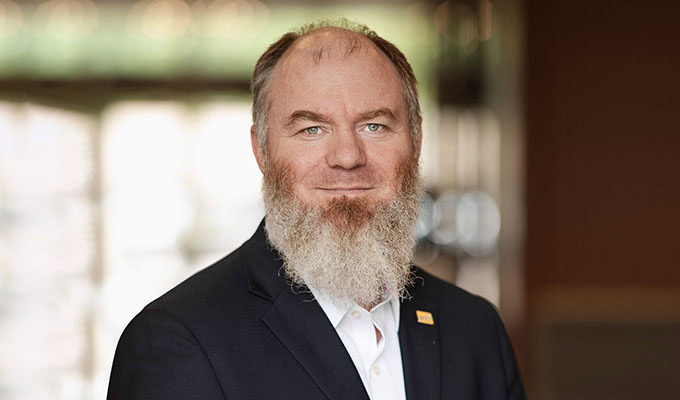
<point x="424" y="317"/>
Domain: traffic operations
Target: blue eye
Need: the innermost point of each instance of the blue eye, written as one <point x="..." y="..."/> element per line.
<point x="373" y="127"/>
<point x="313" y="130"/>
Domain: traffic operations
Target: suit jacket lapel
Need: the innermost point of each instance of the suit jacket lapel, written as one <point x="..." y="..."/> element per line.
<point x="300" y="324"/>
<point x="420" y="352"/>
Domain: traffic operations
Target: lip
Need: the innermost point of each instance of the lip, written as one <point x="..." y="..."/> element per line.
<point x="345" y="190"/>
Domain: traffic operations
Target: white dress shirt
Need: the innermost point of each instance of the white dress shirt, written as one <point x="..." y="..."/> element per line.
<point x="378" y="363"/>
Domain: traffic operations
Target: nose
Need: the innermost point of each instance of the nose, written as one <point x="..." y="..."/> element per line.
<point x="346" y="150"/>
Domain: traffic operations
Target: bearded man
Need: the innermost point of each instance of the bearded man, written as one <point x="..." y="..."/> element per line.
<point x="323" y="301"/>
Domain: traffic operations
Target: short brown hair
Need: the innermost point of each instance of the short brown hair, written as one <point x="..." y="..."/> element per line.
<point x="265" y="65"/>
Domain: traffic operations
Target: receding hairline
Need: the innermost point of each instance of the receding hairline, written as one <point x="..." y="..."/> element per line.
<point x="327" y="42"/>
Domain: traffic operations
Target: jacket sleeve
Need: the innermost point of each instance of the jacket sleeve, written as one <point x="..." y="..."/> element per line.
<point x="159" y="358"/>
<point x="513" y="383"/>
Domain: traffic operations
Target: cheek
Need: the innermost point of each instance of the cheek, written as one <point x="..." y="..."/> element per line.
<point x="389" y="163"/>
<point x="305" y="171"/>
<point x="299" y="158"/>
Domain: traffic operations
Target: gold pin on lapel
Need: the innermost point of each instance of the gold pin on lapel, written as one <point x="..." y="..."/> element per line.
<point x="424" y="317"/>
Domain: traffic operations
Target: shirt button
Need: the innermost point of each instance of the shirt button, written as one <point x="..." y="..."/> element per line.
<point x="376" y="370"/>
<point x="356" y="314"/>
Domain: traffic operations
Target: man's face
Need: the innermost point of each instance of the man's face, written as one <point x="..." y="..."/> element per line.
<point x="339" y="124"/>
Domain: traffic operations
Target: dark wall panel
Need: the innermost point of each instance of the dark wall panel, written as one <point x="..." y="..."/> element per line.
<point x="602" y="113"/>
<point x="603" y="143"/>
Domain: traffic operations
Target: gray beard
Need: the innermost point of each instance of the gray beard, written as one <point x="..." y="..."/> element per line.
<point x="348" y="251"/>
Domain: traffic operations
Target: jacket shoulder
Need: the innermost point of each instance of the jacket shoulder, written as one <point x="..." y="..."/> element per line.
<point x="472" y="333"/>
<point x="204" y="288"/>
<point x="240" y="281"/>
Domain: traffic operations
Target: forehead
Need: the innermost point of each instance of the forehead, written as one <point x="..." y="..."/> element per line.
<point x="335" y="68"/>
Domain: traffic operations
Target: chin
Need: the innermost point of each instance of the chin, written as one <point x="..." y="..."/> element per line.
<point x="363" y="201"/>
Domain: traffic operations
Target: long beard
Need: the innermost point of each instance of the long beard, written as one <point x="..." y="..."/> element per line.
<point x="347" y="250"/>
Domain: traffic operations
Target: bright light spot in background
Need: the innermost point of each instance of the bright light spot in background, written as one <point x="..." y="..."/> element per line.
<point x="143" y="143"/>
<point x="11" y="18"/>
<point x="224" y="160"/>
<point x="428" y="218"/>
<point x="159" y="19"/>
<point x="146" y="200"/>
<point x="68" y="19"/>
<point x="45" y="151"/>
<point x="458" y="23"/>
<point x="478" y="223"/>
<point x="469" y="224"/>
<point x="230" y="18"/>
<point x="227" y="176"/>
<point x="155" y="217"/>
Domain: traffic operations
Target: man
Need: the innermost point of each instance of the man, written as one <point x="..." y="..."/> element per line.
<point x="323" y="302"/>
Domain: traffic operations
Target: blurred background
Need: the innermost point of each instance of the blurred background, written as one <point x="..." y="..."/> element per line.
<point x="550" y="139"/>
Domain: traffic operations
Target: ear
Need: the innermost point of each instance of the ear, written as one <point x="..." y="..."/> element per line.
<point x="257" y="149"/>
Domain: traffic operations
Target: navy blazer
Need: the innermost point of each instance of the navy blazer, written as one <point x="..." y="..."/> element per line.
<point x="236" y="330"/>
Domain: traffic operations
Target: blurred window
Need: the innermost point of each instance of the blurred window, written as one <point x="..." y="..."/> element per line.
<point x="100" y="215"/>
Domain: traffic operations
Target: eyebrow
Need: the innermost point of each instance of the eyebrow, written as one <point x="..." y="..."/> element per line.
<point x="306" y="115"/>
<point x="380" y="112"/>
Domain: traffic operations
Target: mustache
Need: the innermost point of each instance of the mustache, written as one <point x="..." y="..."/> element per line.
<point x="279" y="176"/>
<point x="360" y="177"/>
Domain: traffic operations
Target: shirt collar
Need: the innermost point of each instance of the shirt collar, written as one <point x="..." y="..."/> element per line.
<point x="336" y="313"/>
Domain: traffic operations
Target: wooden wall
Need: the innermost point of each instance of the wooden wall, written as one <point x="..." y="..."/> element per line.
<point x="602" y="114"/>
